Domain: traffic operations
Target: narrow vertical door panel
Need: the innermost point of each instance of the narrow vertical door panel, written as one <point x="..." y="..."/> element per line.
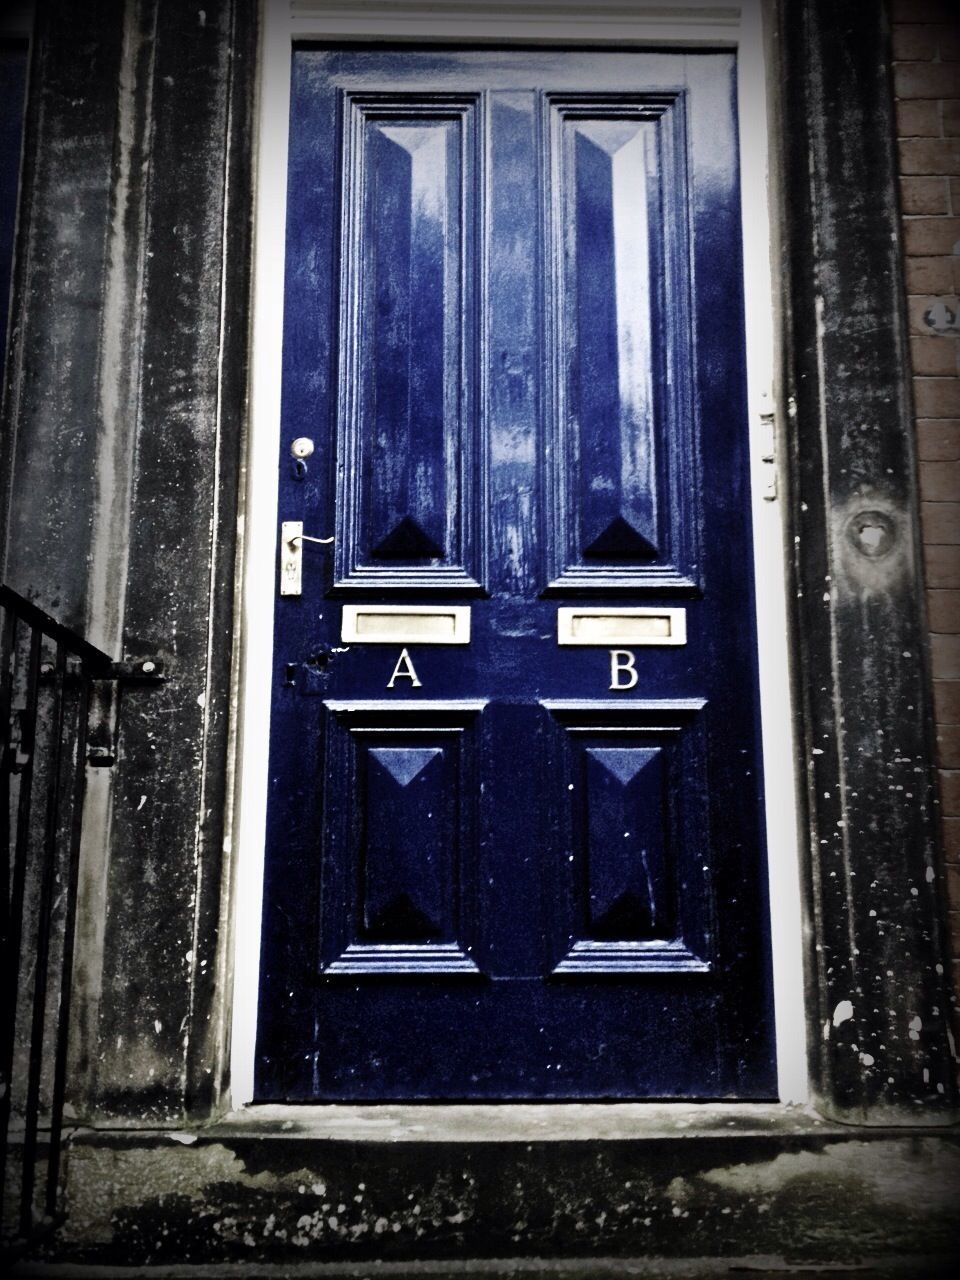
<point x="514" y="852"/>
<point x="407" y="491"/>
<point x="623" y="463"/>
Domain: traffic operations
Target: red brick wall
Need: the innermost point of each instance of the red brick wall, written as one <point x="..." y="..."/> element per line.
<point x="926" y="51"/>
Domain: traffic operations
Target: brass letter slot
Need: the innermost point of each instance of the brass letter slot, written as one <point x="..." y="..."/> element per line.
<point x="629" y="627"/>
<point x="405" y="624"/>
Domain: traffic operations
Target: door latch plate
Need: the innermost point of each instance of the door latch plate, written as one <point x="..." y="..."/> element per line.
<point x="291" y="558"/>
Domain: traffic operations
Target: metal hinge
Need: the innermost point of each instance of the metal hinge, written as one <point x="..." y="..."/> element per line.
<point x="104" y="705"/>
<point x="768" y="447"/>
<point x="138" y="671"/>
<point x="17" y="759"/>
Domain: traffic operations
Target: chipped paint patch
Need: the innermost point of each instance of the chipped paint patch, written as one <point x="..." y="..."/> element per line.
<point x="923" y="1176"/>
<point x="283" y="1200"/>
<point x="842" y="1013"/>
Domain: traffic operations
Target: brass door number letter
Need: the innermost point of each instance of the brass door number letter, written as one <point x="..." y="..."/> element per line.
<point x="623" y="669"/>
<point x="404" y="670"/>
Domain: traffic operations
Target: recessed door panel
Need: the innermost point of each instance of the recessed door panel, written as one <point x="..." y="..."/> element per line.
<point x="514" y="829"/>
<point x="407" y="492"/>
<point x="623" y="473"/>
<point x="399" y="851"/>
<point x="632" y="838"/>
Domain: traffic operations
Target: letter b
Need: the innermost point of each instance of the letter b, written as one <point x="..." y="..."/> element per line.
<point x="623" y="669"/>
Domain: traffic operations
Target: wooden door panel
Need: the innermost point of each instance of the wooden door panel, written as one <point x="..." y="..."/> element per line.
<point x="623" y="474"/>
<point x="515" y="854"/>
<point x="408" y="434"/>
<point x="399" y="843"/>
<point x="631" y="838"/>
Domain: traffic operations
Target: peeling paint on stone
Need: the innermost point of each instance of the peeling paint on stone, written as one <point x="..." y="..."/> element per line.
<point x="281" y="1200"/>
<point x="842" y="1013"/>
<point x="887" y="1172"/>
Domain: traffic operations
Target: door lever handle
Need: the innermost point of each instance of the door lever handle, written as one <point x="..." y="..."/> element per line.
<point x="305" y="537"/>
<point x="292" y="539"/>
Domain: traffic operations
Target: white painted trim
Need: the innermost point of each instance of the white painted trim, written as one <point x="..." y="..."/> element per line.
<point x="780" y="749"/>
<point x="259" y="535"/>
<point x="540" y="22"/>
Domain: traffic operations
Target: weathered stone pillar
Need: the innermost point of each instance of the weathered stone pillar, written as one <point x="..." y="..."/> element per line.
<point x="877" y="999"/>
<point x="125" y="413"/>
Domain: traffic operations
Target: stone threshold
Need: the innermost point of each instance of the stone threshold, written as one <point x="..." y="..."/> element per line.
<point x="742" y="1268"/>
<point x="519" y="1123"/>
<point x="277" y="1185"/>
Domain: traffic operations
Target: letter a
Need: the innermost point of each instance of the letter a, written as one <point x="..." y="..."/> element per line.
<point x="622" y="663"/>
<point x="404" y="671"/>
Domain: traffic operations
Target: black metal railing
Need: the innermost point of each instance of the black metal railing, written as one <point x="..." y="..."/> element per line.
<point x="47" y="675"/>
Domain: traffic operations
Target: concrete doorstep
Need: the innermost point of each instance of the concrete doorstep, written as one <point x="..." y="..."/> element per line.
<point x="747" y="1268"/>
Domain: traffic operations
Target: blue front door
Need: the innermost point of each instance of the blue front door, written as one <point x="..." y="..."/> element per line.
<point x="515" y="846"/>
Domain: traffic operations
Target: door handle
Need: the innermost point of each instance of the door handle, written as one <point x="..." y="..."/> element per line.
<point x="292" y="539"/>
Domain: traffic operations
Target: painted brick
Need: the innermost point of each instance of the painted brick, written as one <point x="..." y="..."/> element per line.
<point x="926" y="79"/>
<point x="946" y="701"/>
<point x="948" y="746"/>
<point x="943" y="611"/>
<point x="929" y="275"/>
<point x="942" y="567"/>
<point x="917" y="11"/>
<point x="937" y="397"/>
<point x="935" y="355"/>
<point x="951" y="837"/>
<point x="925" y="195"/>
<point x="913" y="43"/>
<point x="929" y="155"/>
<point x="952" y="877"/>
<point x="950" y="115"/>
<point x="940" y="481"/>
<point x="922" y="10"/>
<point x="950" y="792"/>
<point x="927" y="237"/>
<point x="948" y="40"/>
<point x="918" y="118"/>
<point x="945" y="658"/>
<point x="941" y="522"/>
<point x="933" y="314"/>
<point x="938" y="439"/>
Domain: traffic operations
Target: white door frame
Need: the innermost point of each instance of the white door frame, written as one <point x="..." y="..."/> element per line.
<point x="535" y="22"/>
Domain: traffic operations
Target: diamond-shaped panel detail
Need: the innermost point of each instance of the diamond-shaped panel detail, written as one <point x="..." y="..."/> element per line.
<point x="620" y="541"/>
<point x="407" y="541"/>
<point x="404" y="763"/>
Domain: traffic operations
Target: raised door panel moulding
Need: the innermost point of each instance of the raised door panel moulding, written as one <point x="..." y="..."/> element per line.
<point x="408" y="421"/>
<point x="399" y="848"/>
<point x="622" y="474"/>
<point x="632" y="858"/>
